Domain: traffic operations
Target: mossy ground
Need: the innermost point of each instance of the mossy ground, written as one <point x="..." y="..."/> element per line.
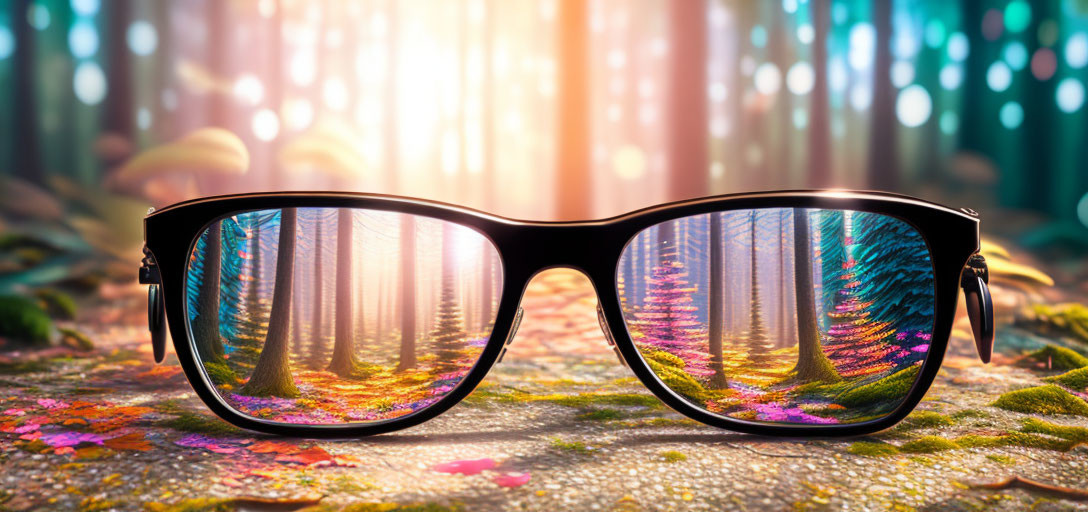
<point x="872" y="449"/>
<point x="925" y="419"/>
<point x="56" y="303"/>
<point x="673" y="456"/>
<point x="570" y="446"/>
<point x="23" y="320"/>
<point x="1058" y="358"/>
<point x="891" y="388"/>
<point x="1048" y="399"/>
<point x="928" y="444"/>
<point x="200" y="424"/>
<point x="1073" y="379"/>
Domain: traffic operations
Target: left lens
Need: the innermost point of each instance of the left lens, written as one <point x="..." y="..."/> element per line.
<point x="334" y="316"/>
<point x="782" y="315"/>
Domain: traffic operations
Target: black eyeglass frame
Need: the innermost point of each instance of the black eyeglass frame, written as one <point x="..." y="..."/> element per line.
<point x="526" y="248"/>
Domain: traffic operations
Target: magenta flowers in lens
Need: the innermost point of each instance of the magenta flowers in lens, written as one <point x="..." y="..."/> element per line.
<point x="782" y="315"/>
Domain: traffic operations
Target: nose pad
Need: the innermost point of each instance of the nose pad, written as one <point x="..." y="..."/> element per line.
<point x="513" y="331"/>
<point x="980" y="306"/>
<point x="608" y="335"/>
<point x="156" y="321"/>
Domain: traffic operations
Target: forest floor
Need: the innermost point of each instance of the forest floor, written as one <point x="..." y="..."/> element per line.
<point x="560" y="424"/>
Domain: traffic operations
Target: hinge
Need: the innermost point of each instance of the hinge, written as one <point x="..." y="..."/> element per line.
<point x="976" y="267"/>
<point x="149" y="271"/>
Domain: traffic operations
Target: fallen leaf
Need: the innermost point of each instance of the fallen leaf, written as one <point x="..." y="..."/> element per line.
<point x="465" y="467"/>
<point x="512" y="479"/>
<point x="131" y="441"/>
<point x="280" y="447"/>
<point x="311" y="456"/>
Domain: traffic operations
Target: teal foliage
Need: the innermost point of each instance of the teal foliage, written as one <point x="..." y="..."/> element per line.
<point x="832" y="257"/>
<point x="232" y="276"/>
<point x="895" y="261"/>
<point x="21" y="319"/>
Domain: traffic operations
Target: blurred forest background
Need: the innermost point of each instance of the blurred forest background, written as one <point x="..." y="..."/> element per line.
<point x="542" y="109"/>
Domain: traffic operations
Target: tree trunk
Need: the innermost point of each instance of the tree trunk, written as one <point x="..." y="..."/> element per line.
<point x="758" y="346"/>
<point x="206" y="326"/>
<point x="117" y="116"/>
<point x="572" y="191"/>
<point x="783" y="312"/>
<point x="819" y="129"/>
<point x="343" y="351"/>
<point x="317" y="341"/>
<point x="272" y="374"/>
<point x="487" y="285"/>
<point x="688" y="134"/>
<point x="715" y="304"/>
<point x="24" y="106"/>
<point x="883" y="161"/>
<point x="812" y="364"/>
<point x="408" y="291"/>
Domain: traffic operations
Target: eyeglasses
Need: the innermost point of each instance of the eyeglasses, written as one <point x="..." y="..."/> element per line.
<point x="810" y="313"/>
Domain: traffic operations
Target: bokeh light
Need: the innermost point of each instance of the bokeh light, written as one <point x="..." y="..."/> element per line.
<point x="800" y="78"/>
<point x="265" y="124"/>
<point x="38" y="16"/>
<point x="143" y="118"/>
<point x="951" y="76"/>
<point x="1082" y="210"/>
<point x="1017" y="16"/>
<point x="934" y="33"/>
<point x="759" y="36"/>
<point x="862" y="45"/>
<point x="86" y="7"/>
<point x="7" y="42"/>
<point x="993" y="24"/>
<point x="1011" y="115"/>
<point x="949" y="122"/>
<point x="958" y="47"/>
<point x="142" y="38"/>
<point x="298" y="114"/>
<point x="800" y="118"/>
<point x="999" y="76"/>
<point x="1016" y="55"/>
<point x="861" y="96"/>
<point x="902" y="73"/>
<point x="83" y="39"/>
<point x="837" y="75"/>
<point x="89" y="83"/>
<point x="1043" y="64"/>
<point x="1070" y="95"/>
<point x="767" y="78"/>
<point x="629" y="162"/>
<point x="248" y="89"/>
<point x="1076" y="50"/>
<point x="805" y="33"/>
<point x="913" y="106"/>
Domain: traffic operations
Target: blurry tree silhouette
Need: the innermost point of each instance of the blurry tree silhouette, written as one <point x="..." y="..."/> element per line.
<point x="687" y="145"/>
<point x="883" y="160"/>
<point x="24" y="102"/>
<point x="572" y="191"/>
<point x="819" y="129"/>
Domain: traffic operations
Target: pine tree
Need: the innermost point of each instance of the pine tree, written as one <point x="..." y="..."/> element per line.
<point x="205" y="321"/>
<point x="449" y="336"/>
<point x="759" y="347"/>
<point x="667" y="320"/>
<point x="832" y="257"/>
<point x="856" y="343"/>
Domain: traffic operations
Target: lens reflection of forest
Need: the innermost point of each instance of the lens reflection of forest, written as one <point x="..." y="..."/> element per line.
<point x="782" y="315"/>
<point x="329" y="316"/>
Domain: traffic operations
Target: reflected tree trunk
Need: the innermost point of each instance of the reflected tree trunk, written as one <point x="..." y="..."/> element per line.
<point x="317" y="334"/>
<point x="408" y="293"/>
<point x="206" y="326"/>
<point x="812" y="364"/>
<point x="715" y="304"/>
<point x="783" y="311"/>
<point x="343" y="351"/>
<point x="272" y="374"/>
<point x="487" y="287"/>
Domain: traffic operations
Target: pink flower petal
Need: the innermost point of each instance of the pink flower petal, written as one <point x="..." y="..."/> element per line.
<point x="512" y="479"/>
<point x="465" y="467"/>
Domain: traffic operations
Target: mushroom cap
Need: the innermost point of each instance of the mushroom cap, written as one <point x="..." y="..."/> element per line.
<point x="206" y="151"/>
<point x="330" y="147"/>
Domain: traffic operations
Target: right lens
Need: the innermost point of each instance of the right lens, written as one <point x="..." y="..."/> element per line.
<point x="782" y="315"/>
<point x="334" y="316"/>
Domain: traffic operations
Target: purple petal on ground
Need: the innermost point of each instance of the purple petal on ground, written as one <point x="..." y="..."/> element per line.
<point x="58" y="439"/>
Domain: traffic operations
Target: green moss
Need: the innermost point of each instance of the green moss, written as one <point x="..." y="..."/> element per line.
<point x="570" y="446"/>
<point x="968" y="413"/>
<point x="1071" y="318"/>
<point x="588" y="399"/>
<point x="673" y="456"/>
<point x="17" y="367"/>
<point x="925" y="419"/>
<point x="221" y="374"/>
<point x="889" y="389"/>
<point x="1028" y="440"/>
<point x="663" y="358"/>
<point x="1002" y="459"/>
<point x="680" y="382"/>
<point x="1049" y="399"/>
<point x="600" y="415"/>
<point x="980" y="441"/>
<point x="1073" y="379"/>
<point x="201" y="424"/>
<point x="195" y="505"/>
<point x="395" y="507"/>
<point x="1059" y="358"/>
<point x="24" y="321"/>
<point x="1069" y="433"/>
<point x="928" y="444"/>
<point x="57" y="303"/>
<point x="871" y="449"/>
<point x="75" y="339"/>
